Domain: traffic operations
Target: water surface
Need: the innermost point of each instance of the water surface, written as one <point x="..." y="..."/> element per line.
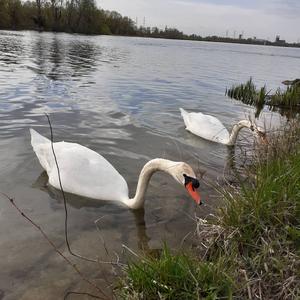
<point x="119" y="96"/>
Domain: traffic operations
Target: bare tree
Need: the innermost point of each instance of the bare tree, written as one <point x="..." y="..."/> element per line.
<point x="56" y="7"/>
<point x="39" y="19"/>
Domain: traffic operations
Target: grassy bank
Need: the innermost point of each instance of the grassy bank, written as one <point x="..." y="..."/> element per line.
<point x="251" y="250"/>
<point x="179" y="276"/>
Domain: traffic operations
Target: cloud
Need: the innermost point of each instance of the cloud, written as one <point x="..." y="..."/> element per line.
<point x="261" y="18"/>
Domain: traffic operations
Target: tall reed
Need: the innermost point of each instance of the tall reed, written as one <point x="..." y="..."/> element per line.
<point x="284" y="99"/>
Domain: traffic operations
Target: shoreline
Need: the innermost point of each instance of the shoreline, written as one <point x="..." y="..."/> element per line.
<point x="205" y="39"/>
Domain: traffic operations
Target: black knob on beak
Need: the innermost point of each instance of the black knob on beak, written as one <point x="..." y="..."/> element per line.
<point x="194" y="181"/>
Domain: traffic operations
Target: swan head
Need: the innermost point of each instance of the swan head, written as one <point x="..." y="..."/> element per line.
<point x="185" y="175"/>
<point x="257" y="130"/>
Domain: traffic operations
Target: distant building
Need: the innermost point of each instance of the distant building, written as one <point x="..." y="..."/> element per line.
<point x="278" y="40"/>
<point x="255" y="40"/>
<point x="240" y="36"/>
<point x="261" y="40"/>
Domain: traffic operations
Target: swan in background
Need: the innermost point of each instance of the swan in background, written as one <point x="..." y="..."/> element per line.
<point x="210" y="128"/>
<point x="86" y="173"/>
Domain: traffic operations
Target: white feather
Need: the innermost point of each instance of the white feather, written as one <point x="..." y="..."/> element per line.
<point x="205" y="126"/>
<point x="83" y="171"/>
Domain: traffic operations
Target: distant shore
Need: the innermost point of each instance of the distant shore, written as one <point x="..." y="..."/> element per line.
<point x="84" y="17"/>
<point x="215" y="39"/>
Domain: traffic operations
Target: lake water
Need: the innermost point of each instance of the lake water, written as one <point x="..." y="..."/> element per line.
<point x="119" y="96"/>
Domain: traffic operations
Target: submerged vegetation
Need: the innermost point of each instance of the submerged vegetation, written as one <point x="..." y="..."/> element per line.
<point x="251" y="249"/>
<point x="281" y="100"/>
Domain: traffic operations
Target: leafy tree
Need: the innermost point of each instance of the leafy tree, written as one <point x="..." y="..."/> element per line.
<point x="4" y="15"/>
<point x="15" y="13"/>
<point x="82" y="16"/>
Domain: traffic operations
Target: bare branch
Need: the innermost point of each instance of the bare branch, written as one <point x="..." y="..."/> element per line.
<point x="55" y="248"/>
<point x="80" y="293"/>
<point x="65" y="201"/>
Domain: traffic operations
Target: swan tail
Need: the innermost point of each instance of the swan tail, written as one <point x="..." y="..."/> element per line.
<point x="185" y="116"/>
<point x="37" y="139"/>
<point x="41" y="147"/>
<point x="183" y="112"/>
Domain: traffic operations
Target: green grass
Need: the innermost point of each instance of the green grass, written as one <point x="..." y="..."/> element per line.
<point x="250" y="95"/>
<point x="178" y="276"/>
<point x="264" y="213"/>
<point x="251" y="250"/>
<point x="268" y="208"/>
<point x="290" y="97"/>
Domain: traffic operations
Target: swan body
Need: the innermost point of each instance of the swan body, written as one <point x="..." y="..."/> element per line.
<point x="86" y="173"/>
<point x="211" y="128"/>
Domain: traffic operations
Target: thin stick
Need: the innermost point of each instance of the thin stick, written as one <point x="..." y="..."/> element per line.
<point x="247" y="284"/>
<point x="79" y="293"/>
<point x="131" y="251"/>
<point x="117" y="262"/>
<point x="100" y="234"/>
<point x="65" y="201"/>
<point x="55" y="248"/>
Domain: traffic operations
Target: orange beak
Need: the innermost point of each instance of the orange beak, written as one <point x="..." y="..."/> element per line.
<point x="193" y="193"/>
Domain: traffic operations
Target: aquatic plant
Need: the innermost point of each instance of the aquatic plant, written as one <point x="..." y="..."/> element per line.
<point x="248" y="94"/>
<point x="290" y="97"/>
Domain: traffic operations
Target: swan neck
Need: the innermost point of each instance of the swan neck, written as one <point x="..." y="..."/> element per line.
<point x="234" y="133"/>
<point x="152" y="166"/>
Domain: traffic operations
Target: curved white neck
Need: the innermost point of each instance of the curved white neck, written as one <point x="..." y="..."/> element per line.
<point x="235" y="131"/>
<point x="154" y="165"/>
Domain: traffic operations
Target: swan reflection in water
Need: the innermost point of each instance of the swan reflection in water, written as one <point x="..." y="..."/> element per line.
<point x="113" y="211"/>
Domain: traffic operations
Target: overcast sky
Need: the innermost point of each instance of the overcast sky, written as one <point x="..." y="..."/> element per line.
<point x="260" y="18"/>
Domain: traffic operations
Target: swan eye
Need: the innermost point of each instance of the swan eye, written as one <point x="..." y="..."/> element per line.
<point x="194" y="181"/>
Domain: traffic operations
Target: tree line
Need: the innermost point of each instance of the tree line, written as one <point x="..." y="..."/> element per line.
<point x="74" y="16"/>
<point x="80" y="16"/>
<point x="83" y="16"/>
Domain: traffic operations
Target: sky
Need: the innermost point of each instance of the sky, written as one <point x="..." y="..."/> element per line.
<point x="260" y="18"/>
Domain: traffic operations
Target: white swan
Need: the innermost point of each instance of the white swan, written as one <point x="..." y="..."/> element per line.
<point x="210" y="128"/>
<point x="86" y="173"/>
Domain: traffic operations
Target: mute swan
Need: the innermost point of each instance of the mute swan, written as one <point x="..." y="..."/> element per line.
<point x="210" y="128"/>
<point x="86" y="173"/>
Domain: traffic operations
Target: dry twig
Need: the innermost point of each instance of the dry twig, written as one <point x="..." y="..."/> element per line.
<point x="56" y="249"/>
